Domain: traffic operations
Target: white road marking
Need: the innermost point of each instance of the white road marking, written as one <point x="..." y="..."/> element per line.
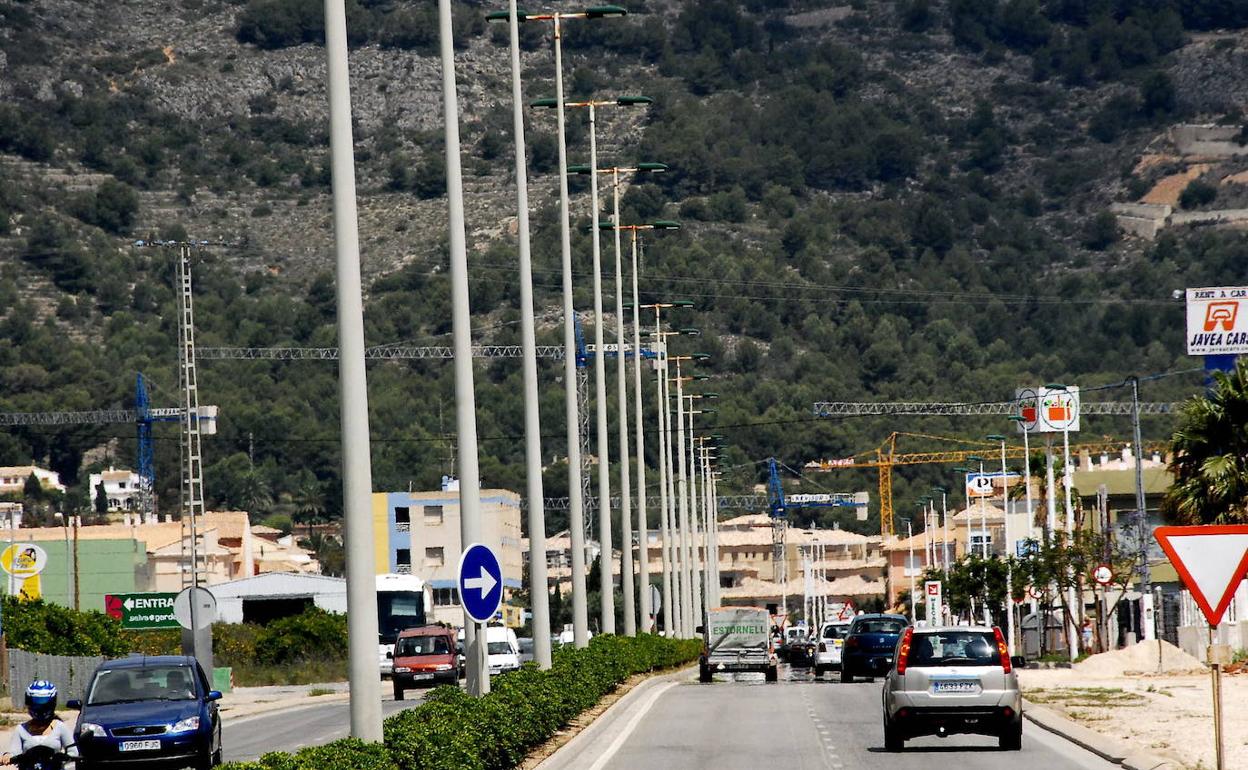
<point x="611" y="750"/>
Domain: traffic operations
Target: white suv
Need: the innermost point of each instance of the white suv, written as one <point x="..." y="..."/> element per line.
<point x="828" y="646"/>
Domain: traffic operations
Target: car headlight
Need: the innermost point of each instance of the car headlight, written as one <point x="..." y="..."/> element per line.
<point x="92" y="729"/>
<point x="187" y="725"/>
<point x="402" y="670"/>
<point x="443" y="667"/>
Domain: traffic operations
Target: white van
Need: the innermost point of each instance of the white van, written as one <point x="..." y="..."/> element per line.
<point x="502" y="648"/>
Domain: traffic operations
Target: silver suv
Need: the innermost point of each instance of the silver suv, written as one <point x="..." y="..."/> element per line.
<point x="952" y="679"/>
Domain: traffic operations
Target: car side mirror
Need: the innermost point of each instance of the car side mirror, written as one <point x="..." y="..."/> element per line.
<point x="74" y="704"/>
<point x="1018" y="661"/>
<point x="700" y="630"/>
<point x="214" y="695"/>
<point x="390" y="654"/>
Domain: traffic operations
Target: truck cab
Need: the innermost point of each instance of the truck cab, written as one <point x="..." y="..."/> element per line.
<point x="424" y="656"/>
<point x="737" y="639"/>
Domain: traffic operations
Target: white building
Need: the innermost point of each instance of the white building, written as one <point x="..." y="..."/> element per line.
<point x="274" y="595"/>
<point x="120" y="487"/>
<point x="13" y="478"/>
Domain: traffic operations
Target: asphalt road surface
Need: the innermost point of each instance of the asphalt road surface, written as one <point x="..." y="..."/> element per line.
<point x="796" y="724"/>
<point x="292" y="729"/>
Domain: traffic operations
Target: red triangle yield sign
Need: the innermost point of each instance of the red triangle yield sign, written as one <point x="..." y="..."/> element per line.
<point x="1211" y="560"/>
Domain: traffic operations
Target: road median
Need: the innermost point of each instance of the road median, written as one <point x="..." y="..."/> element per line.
<point x="1107" y="748"/>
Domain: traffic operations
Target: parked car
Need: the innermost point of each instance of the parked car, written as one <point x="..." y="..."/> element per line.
<point x="424" y="655"/>
<point x="156" y="711"/>
<point x="830" y="643"/>
<point x="953" y="679"/>
<point x="869" y="645"/>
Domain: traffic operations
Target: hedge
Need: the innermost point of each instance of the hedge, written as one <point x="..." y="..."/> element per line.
<point x="452" y="731"/>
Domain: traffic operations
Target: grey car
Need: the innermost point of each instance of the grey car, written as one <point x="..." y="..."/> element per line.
<point x="952" y="679"/>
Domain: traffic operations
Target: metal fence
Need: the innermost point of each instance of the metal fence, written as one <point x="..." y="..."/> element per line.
<point x="70" y="674"/>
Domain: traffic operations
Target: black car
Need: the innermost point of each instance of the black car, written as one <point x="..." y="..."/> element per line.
<point x="149" y="712"/>
<point x="869" y="645"/>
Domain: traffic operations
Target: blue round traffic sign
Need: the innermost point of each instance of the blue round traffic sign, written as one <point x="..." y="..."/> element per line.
<point x="480" y="582"/>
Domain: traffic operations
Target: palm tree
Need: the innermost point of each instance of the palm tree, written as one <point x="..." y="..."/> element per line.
<point x="1210" y="447"/>
<point x="309" y="500"/>
<point x="254" y="490"/>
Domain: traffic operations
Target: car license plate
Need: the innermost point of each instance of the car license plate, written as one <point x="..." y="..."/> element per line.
<point x="419" y="677"/>
<point x="140" y="745"/>
<point x="955" y="687"/>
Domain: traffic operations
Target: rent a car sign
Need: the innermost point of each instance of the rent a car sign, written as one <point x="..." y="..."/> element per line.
<point x="1217" y="321"/>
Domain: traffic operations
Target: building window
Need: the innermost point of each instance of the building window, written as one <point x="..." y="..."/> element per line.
<point x="913" y="565"/>
<point x="434" y="557"/>
<point x="445" y="597"/>
<point x="433" y="515"/>
<point x="403" y="556"/>
<point x="402" y="515"/>
<point x="981" y="544"/>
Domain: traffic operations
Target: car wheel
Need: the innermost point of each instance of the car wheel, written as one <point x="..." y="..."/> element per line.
<point x="892" y="738"/>
<point x="398" y="692"/>
<point x="846" y="677"/>
<point x="772" y="675"/>
<point x="1012" y="738"/>
<point x="206" y="762"/>
<point x="217" y="757"/>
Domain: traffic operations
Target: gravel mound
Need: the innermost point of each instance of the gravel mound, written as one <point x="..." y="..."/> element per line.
<point x="1140" y="658"/>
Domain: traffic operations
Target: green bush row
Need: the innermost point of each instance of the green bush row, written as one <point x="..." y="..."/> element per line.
<point x="314" y="635"/>
<point x="452" y="731"/>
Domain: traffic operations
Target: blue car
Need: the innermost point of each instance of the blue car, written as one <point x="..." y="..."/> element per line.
<point x="148" y="712"/>
<point x="869" y="645"/>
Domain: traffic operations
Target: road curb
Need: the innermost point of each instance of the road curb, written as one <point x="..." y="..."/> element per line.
<point x="1103" y="746"/>
<point x="569" y="754"/>
<point x="243" y="713"/>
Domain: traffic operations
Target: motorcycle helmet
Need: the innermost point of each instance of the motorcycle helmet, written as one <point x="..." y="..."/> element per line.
<point x="41" y="699"/>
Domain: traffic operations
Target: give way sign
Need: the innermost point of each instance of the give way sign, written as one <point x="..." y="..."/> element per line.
<point x="1211" y="560"/>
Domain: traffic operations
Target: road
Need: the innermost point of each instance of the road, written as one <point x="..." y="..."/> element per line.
<point x="290" y="730"/>
<point x="797" y="724"/>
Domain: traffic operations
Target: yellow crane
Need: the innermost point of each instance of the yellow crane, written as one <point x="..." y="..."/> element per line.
<point x="886" y="456"/>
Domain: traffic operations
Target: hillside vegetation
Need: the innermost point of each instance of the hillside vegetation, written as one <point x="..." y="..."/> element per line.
<point x="880" y="201"/>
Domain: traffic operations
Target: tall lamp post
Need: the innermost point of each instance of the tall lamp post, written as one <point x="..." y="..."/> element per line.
<point x="697" y="506"/>
<point x="682" y="498"/>
<point x="626" y="530"/>
<point x="576" y="510"/>
<point x="539" y="595"/>
<point x="1009" y="545"/>
<point x="965" y="471"/>
<point x="1072" y="601"/>
<point x="944" y="527"/>
<point x="670" y="557"/>
<point x="605" y="533"/>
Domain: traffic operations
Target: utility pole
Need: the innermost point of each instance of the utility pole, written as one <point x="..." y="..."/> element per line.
<point x="1141" y="508"/>
<point x="357" y="481"/>
<point x="539" y="596"/>
<point x="478" y="674"/>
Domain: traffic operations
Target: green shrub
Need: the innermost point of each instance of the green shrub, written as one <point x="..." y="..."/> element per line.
<point x="50" y="628"/>
<point x="452" y="731"/>
<point x="313" y="635"/>
<point x="1197" y="193"/>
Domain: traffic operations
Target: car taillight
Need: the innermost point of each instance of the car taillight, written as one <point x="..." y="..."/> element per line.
<point x="1003" y="650"/>
<point x="903" y="652"/>
<point x="851" y="641"/>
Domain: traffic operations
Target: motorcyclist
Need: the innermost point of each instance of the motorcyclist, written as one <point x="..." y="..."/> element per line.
<point x="44" y="728"/>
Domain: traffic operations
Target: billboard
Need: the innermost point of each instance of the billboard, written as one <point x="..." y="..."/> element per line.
<point x="1217" y="321"/>
<point x="1048" y="410"/>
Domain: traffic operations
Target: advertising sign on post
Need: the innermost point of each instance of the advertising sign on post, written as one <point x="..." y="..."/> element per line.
<point x="1048" y="410"/>
<point x="1217" y="321"/>
<point x="142" y="610"/>
<point x="935" y="609"/>
<point x="23" y="562"/>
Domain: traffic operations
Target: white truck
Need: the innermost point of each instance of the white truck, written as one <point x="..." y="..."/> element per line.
<point x="737" y="639"/>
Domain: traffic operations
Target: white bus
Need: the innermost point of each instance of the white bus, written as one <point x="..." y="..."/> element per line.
<point x="403" y="601"/>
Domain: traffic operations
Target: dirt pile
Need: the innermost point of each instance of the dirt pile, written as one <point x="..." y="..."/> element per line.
<point x="1140" y="658"/>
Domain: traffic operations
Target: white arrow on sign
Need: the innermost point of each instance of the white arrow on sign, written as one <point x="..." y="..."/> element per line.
<point x="129" y="603"/>
<point x="484" y="584"/>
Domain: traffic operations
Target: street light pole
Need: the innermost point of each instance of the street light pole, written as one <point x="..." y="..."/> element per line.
<point x="643" y="526"/>
<point x="1009" y="548"/>
<point x="357" y="485"/>
<point x="686" y="571"/>
<point x="539" y="594"/>
<point x="674" y="620"/>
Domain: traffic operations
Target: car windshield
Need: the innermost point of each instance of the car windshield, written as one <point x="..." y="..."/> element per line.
<point x="834" y="632"/>
<point x="499" y="648"/>
<point x="126" y="685"/>
<point x="879" y="626"/>
<point x="423" y="645"/>
<point x="954" y="648"/>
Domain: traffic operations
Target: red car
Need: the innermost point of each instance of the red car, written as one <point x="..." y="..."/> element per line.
<point x="424" y="656"/>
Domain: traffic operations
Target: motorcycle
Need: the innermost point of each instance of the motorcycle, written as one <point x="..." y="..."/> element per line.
<point x="41" y="758"/>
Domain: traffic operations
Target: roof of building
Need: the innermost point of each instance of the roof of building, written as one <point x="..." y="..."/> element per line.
<point x="845" y="587"/>
<point x="746" y="520"/>
<point x="275" y="584"/>
<point x="922" y="539"/>
<point x="1157" y="479"/>
<point x="116" y="474"/>
<point x="826" y="537"/>
<point x="992" y="513"/>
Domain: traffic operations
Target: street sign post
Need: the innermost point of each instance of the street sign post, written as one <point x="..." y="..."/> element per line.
<point x="199" y="601"/>
<point x="142" y="611"/>
<point x="480" y="580"/>
<point x="1211" y="561"/>
<point x="935" y="602"/>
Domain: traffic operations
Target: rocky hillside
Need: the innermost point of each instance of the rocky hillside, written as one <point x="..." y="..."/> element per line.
<point x="907" y="200"/>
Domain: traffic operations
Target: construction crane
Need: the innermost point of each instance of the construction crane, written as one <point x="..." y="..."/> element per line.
<point x="142" y="416"/>
<point x="778" y="506"/>
<point x="836" y="408"/>
<point x="886" y="457"/>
